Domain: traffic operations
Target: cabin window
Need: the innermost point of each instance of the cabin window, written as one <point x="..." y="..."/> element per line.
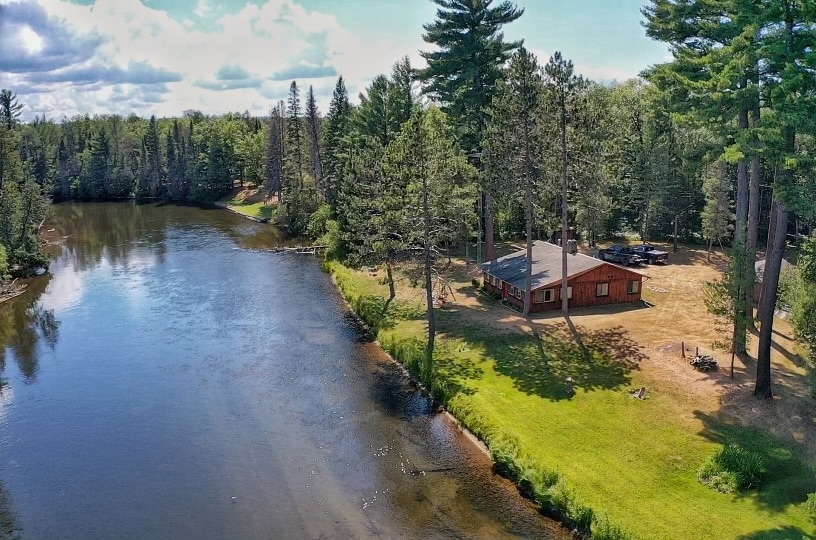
<point x="512" y="291"/>
<point x="602" y="289"/>
<point x="634" y="287"/>
<point x="519" y="293"/>
<point x="569" y="293"/>
<point x="547" y="295"/>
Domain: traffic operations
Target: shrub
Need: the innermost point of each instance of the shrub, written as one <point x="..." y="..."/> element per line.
<point x="476" y="283"/>
<point x="603" y="529"/>
<point x="731" y="469"/>
<point x="810" y="505"/>
<point x="3" y="262"/>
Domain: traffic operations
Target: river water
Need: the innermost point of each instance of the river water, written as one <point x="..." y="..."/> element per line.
<point x="170" y="379"/>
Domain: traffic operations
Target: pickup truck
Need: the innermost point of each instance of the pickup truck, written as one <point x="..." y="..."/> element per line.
<point x="651" y="254"/>
<point x="620" y="255"/>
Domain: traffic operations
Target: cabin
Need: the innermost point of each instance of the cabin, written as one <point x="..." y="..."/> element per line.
<point x="590" y="281"/>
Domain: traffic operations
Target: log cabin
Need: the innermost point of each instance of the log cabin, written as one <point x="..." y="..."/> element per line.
<point x="590" y="281"/>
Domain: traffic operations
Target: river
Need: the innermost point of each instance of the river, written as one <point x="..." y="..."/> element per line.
<point x="171" y="379"/>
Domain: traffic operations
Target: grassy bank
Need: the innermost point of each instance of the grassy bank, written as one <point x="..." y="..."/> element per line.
<point x="252" y="208"/>
<point x="600" y="459"/>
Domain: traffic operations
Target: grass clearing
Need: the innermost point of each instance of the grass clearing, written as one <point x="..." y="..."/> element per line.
<point x="632" y="462"/>
<point x="258" y="210"/>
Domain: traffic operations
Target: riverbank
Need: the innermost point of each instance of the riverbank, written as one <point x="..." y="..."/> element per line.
<point x="249" y="203"/>
<point x="600" y="460"/>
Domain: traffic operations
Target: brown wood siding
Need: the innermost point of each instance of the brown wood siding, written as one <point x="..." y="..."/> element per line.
<point x="584" y="289"/>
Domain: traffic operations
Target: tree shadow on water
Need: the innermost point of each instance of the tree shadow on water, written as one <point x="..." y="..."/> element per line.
<point x="787" y="479"/>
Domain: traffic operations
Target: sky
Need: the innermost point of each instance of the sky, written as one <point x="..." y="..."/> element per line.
<point x="163" y="57"/>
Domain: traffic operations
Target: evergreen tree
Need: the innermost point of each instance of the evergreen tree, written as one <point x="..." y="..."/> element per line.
<point x="717" y="215"/>
<point x="512" y="146"/>
<point x="313" y="126"/>
<point x="151" y="181"/>
<point x="9" y="118"/>
<point x="293" y="157"/>
<point x="463" y="72"/>
<point x="565" y="89"/>
<point x="338" y="122"/>
<point x="99" y="173"/>
<point x="274" y="152"/>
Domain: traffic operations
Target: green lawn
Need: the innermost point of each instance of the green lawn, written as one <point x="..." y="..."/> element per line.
<point x="633" y="461"/>
<point x="257" y="210"/>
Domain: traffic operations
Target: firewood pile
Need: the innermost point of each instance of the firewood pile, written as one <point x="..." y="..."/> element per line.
<point x="703" y="362"/>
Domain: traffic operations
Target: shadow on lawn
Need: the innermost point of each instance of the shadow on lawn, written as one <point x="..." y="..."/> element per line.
<point x="786" y="533"/>
<point x="787" y="479"/>
<point x="540" y="364"/>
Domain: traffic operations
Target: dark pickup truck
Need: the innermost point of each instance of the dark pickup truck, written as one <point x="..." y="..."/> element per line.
<point x="620" y="255"/>
<point x="650" y="254"/>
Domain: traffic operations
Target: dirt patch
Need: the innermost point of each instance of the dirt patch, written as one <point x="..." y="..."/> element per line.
<point x="671" y="317"/>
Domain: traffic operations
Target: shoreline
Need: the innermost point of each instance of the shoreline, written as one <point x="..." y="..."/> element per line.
<point x="572" y="525"/>
<point x="242" y="214"/>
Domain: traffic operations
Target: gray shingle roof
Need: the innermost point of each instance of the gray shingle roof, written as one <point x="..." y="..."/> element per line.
<point x="759" y="268"/>
<point x="546" y="265"/>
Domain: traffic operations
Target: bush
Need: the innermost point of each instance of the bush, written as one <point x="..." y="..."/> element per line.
<point x="731" y="469"/>
<point x="810" y="505"/>
<point x="3" y="262"/>
<point x="476" y="283"/>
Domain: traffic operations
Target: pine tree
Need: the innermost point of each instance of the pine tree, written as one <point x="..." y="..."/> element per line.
<point x="338" y="121"/>
<point x="463" y="72"/>
<point x="293" y="158"/>
<point x="512" y="147"/>
<point x="274" y="152"/>
<point x="565" y="89"/>
<point x="717" y="215"/>
<point x="99" y="172"/>
<point x="313" y="125"/>
<point x="9" y="118"/>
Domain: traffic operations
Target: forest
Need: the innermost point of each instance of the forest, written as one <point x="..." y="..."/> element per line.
<point x="488" y="142"/>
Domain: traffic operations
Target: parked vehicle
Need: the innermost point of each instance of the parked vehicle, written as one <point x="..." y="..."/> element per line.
<point x="620" y="255"/>
<point x="651" y="254"/>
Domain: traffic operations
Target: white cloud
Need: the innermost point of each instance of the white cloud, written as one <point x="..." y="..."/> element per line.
<point x="269" y="42"/>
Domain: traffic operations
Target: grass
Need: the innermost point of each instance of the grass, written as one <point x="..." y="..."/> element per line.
<point x="627" y="467"/>
<point x="258" y="210"/>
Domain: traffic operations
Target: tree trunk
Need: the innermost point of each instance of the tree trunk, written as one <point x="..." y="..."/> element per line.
<point x="429" y="350"/>
<point x="528" y="218"/>
<point x="753" y="220"/>
<point x="741" y="227"/>
<point x="490" y="248"/>
<point x="770" y="284"/>
<point x="564" y="211"/>
<point x="770" y="240"/>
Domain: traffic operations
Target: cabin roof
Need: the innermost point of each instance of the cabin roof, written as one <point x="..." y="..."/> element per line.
<point x="546" y="266"/>
<point x="759" y="268"/>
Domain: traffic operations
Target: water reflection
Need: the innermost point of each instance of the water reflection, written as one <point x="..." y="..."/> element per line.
<point x="24" y="324"/>
<point x="9" y="528"/>
<point x="95" y="232"/>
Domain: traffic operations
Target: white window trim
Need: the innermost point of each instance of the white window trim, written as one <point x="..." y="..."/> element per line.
<point x="633" y="284"/>
<point x="597" y="293"/>
<point x="569" y="293"/>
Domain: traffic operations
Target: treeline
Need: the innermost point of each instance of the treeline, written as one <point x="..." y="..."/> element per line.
<point x="714" y="146"/>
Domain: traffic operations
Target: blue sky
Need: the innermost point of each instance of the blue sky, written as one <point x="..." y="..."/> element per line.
<point x="165" y="56"/>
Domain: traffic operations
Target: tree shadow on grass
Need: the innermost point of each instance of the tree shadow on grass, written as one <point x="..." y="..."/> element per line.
<point x="787" y="479"/>
<point x="540" y="364"/>
<point x="455" y="369"/>
<point x="381" y="314"/>
<point x="785" y="533"/>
